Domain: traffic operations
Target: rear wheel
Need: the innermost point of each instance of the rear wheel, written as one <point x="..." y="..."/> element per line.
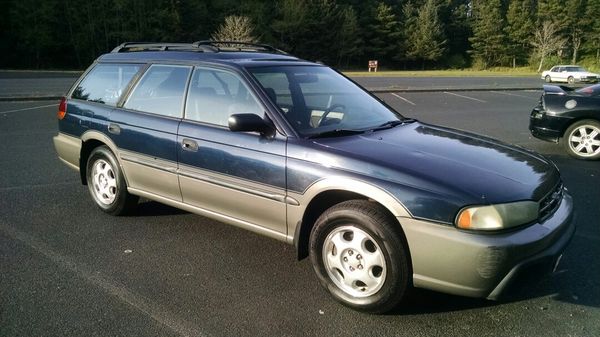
<point x="582" y="140"/>
<point x="548" y="79"/>
<point x="359" y="255"/>
<point x="107" y="184"/>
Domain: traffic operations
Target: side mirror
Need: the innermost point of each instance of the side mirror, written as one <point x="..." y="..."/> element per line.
<point x="250" y="123"/>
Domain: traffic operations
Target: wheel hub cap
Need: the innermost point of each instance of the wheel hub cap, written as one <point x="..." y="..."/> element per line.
<point x="354" y="261"/>
<point x="585" y="141"/>
<point x="104" y="182"/>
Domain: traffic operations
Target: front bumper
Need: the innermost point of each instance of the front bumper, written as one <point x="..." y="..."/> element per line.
<point x="483" y="265"/>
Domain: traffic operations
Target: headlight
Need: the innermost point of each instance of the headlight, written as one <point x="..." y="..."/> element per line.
<point x="495" y="217"/>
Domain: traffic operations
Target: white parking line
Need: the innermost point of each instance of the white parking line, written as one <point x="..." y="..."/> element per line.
<point x="511" y="94"/>
<point x="32" y="108"/>
<point x="466" y="97"/>
<point x="402" y="98"/>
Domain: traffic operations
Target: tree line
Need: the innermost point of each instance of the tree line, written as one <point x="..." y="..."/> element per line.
<point x="400" y="34"/>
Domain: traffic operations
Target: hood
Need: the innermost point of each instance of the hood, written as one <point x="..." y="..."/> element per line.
<point x="474" y="168"/>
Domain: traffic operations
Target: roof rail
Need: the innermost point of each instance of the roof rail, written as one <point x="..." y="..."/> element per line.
<point x="161" y="46"/>
<point x="238" y="46"/>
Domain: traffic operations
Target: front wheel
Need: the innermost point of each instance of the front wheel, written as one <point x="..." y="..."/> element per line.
<point x="571" y="80"/>
<point x="582" y="140"/>
<point x="107" y="184"/>
<point x="359" y="254"/>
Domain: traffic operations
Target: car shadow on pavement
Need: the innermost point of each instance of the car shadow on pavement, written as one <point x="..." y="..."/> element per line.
<point x="421" y="301"/>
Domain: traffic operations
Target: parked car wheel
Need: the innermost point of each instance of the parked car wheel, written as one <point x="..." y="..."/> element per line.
<point x="359" y="255"/>
<point x="582" y="140"/>
<point x="571" y="79"/>
<point x="107" y="184"/>
<point x="548" y="79"/>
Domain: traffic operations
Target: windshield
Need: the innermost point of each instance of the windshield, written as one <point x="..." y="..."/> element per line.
<point x="575" y="69"/>
<point x="317" y="100"/>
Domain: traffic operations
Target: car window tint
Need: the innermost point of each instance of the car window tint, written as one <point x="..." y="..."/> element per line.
<point x="277" y="87"/>
<point x="105" y="83"/>
<point x="215" y="94"/>
<point x="160" y="91"/>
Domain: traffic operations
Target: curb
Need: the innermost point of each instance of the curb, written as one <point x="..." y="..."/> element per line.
<point x="373" y="90"/>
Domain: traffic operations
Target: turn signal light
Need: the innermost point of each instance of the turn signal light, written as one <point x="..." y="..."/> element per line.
<point x="464" y="219"/>
<point x="62" y="109"/>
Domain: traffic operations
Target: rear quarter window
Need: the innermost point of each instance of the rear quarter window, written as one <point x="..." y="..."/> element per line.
<point x="105" y="83"/>
<point x="160" y="91"/>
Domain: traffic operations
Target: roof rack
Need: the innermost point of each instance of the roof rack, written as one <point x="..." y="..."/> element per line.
<point x="159" y="46"/>
<point x="238" y="46"/>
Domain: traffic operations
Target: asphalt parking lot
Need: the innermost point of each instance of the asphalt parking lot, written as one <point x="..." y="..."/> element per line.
<point x="67" y="269"/>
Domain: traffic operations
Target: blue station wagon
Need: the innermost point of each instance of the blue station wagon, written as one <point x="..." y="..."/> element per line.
<point x="253" y="137"/>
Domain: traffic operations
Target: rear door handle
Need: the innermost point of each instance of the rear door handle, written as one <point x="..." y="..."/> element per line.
<point x="114" y="129"/>
<point x="189" y="145"/>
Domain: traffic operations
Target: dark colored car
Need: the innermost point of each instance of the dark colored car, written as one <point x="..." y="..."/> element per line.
<point x="571" y="116"/>
<point x="293" y="150"/>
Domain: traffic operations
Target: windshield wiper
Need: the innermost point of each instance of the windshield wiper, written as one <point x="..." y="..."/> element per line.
<point x="335" y="133"/>
<point x="391" y="124"/>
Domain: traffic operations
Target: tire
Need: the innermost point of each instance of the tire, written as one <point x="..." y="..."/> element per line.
<point x="571" y="80"/>
<point x="359" y="254"/>
<point x="582" y="140"/>
<point x="548" y="79"/>
<point x="106" y="183"/>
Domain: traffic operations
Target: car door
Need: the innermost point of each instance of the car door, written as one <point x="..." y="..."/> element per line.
<point x="234" y="175"/>
<point x="561" y="74"/>
<point x="145" y="130"/>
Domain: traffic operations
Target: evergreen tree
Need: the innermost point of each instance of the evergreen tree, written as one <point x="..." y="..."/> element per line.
<point x="488" y="42"/>
<point x="519" y="30"/>
<point x="575" y="25"/>
<point x="427" y="41"/>
<point x="383" y="40"/>
<point x="349" y="40"/>
<point x="592" y="31"/>
<point x="456" y="16"/>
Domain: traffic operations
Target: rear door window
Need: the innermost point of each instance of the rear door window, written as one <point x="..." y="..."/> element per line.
<point x="105" y="83"/>
<point x="161" y="91"/>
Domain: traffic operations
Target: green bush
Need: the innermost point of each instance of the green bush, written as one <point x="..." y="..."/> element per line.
<point x="456" y="61"/>
<point x="549" y="62"/>
<point x="590" y="63"/>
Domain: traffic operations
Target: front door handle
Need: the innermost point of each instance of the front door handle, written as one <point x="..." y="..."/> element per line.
<point x="114" y="129"/>
<point x="189" y="145"/>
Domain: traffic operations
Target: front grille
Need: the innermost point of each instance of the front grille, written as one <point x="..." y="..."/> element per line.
<point x="550" y="202"/>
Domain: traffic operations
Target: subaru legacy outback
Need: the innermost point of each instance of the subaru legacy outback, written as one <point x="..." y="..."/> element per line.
<point x="253" y="137"/>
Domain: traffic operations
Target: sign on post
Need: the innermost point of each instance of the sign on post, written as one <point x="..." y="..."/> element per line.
<point x="373" y="65"/>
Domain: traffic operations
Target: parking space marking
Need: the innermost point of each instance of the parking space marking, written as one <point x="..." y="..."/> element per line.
<point x="511" y="94"/>
<point x="140" y="303"/>
<point x="466" y="97"/>
<point x="402" y="98"/>
<point x="32" y="108"/>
